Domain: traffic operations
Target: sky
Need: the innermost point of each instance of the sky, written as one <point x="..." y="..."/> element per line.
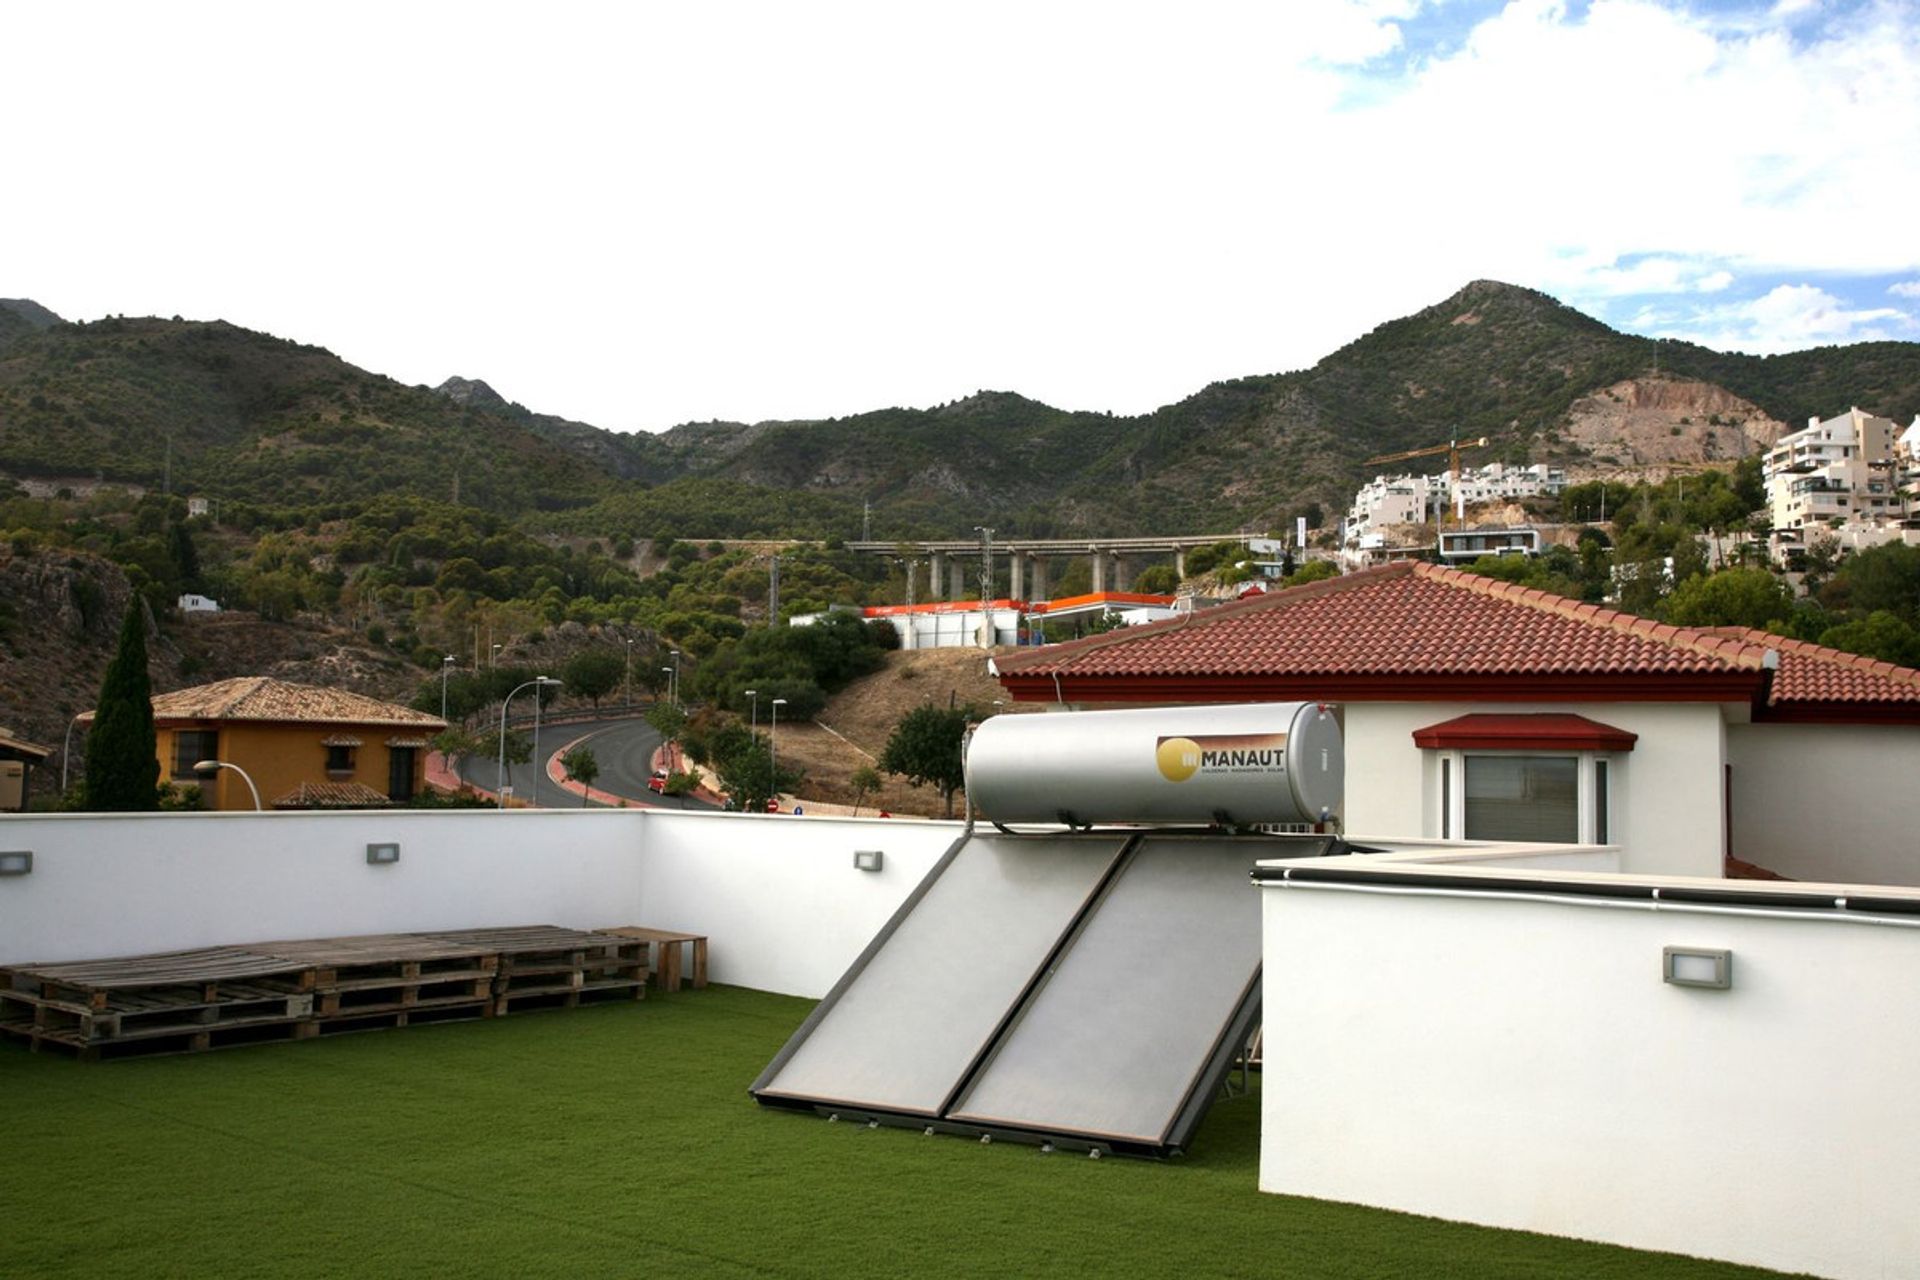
<point x="642" y="214"/>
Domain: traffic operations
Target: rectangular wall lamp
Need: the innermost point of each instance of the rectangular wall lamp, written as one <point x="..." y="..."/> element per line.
<point x="1694" y="967"/>
<point x="869" y="859"/>
<point x="382" y="854"/>
<point x="16" y="862"/>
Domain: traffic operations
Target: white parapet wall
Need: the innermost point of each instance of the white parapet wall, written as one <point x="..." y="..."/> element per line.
<point x="128" y="884"/>
<point x="1515" y="1058"/>
<point x="779" y="898"/>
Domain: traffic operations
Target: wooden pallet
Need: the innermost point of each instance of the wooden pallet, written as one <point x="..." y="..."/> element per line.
<point x="384" y="959"/>
<point x="190" y="1001"/>
<point x="542" y="966"/>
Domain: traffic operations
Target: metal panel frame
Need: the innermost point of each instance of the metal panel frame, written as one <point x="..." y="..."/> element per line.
<point x="762" y="1087"/>
<point x="1202" y="1089"/>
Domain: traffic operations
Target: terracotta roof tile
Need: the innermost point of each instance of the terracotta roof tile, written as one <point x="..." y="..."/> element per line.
<point x="1426" y="621"/>
<point x="1812" y="674"/>
<point x="264" y="698"/>
<point x="331" y="795"/>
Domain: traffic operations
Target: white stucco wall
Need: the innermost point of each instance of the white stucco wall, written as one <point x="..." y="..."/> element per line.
<point x="1828" y="802"/>
<point x="778" y="897"/>
<point x="1521" y="1064"/>
<point x="1666" y="791"/>
<point x="111" y="885"/>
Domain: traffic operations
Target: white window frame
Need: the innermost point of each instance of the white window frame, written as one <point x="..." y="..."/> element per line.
<point x="1448" y="811"/>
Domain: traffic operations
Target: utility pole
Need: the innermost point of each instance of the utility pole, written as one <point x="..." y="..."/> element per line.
<point x="773" y="592"/>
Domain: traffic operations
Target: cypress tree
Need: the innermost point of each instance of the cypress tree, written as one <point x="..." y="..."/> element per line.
<point x="123" y="771"/>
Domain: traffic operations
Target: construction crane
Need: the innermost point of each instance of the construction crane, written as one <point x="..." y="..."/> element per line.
<point x="1452" y="449"/>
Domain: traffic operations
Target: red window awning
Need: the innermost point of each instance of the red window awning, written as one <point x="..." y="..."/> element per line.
<point x="1536" y="731"/>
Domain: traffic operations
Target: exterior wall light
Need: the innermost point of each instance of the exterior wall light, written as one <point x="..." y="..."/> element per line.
<point x="1694" y="967"/>
<point x="381" y="855"/>
<point x="869" y="859"/>
<point x="16" y="862"/>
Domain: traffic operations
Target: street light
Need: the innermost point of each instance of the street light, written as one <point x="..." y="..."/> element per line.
<point x="500" y="775"/>
<point x="755" y="695"/>
<point x="629" y="679"/>
<point x="539" y="766"/>
<point x="206" y="768"/>
<point x="446" y="665"/>
<point x="66" y="752"/>
<point x="773" y="750"/>
<point x="668" y="673"/>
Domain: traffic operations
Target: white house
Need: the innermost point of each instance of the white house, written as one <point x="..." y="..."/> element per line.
<point x="1844" y="468"/>
<point x="1480" y="710"/>
<point x="190" y="603"/>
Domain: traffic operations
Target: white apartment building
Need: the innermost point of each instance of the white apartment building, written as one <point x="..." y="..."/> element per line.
<point x="1844" y="469"/>
<point x="1407" y="499"/>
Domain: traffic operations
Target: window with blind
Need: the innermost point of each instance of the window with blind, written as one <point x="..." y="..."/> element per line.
<point x="1521" y="798"/>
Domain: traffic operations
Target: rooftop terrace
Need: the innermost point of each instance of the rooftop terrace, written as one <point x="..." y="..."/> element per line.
<point x="620" y="1139"/>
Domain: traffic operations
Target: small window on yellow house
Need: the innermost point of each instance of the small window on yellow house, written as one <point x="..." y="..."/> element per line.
<point x="340" y="753"/>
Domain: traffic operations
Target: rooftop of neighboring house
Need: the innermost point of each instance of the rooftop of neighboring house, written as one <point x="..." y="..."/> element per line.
<point x="1419" y="632"/>
<point x="266" y="700"/>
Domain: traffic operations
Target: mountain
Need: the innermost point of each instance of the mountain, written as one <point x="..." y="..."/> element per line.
<point x="21" y="317"/>
<point x="250" y="417"/>
<point x="254" y="418"/>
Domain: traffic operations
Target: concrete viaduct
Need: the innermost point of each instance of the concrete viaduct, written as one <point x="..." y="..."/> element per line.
<point x="1027" y="559"/>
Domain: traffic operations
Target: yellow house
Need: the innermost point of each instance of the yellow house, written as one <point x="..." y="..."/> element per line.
<point x="304" y="747"/>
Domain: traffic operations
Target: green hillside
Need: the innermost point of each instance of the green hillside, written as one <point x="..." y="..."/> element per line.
<point x="248" y="417"/>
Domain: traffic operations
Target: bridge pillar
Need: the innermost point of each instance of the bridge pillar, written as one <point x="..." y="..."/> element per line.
<point x="956" y="579"/>
<point x="1099" y="570"/>
<point x="1016" y="562"/>
<point x="1180" y="563"/>
<point x="1037" y="586"/>
<point x="936" y="561"/>
<point x="1122" y="579"/>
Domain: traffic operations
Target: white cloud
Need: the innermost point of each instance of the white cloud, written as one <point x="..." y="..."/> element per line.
<point x="1790" y="317"/>
<point x="1905" y="289"/>
<point x="639" y="215"/>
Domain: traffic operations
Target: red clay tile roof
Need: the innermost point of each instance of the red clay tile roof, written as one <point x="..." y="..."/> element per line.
<point x="1413" y="631"/>
<point x="264" y="698"/>
<point x="1811" y="674"/>
<point x="332" y="795"/>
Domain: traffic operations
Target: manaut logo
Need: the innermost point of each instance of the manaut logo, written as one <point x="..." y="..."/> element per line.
<point x="1181" y="758"/>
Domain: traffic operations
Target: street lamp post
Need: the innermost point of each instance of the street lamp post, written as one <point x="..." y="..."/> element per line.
<point x="668" y="673"/>
<point x="493" y="657"/>
<point x="206" y="768"/>
<point x="539" y="766"/>
<point x="446" y="665"/>
<point x="676" y="678"/>
<point x="66" y="753"/>
<point x="773" y="750"/>
<point x="754" y="694"/>
<point x="629" y="678"/>
<point x="500" y="775"/>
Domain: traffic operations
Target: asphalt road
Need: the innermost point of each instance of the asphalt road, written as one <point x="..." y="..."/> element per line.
<point x="623" y="748"/>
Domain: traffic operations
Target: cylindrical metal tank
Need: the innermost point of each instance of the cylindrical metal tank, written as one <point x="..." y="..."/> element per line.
<point x="1240" y="764"/>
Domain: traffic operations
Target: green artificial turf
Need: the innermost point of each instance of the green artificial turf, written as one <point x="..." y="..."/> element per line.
<point x="620" y="1140"/>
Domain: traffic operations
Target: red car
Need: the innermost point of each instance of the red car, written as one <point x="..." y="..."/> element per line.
<point x="658" y="782"/>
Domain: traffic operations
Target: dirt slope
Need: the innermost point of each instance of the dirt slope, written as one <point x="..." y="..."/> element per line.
<point x="854" y="727"/>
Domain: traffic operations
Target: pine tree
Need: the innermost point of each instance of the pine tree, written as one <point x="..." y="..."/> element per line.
<point x="123" y="771"/>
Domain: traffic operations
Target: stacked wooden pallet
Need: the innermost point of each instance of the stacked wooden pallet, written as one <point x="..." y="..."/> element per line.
<point x="188" y="1001"/>
<point x="179" y="1001"/>
<point x="392" y="980"/>
<point x="544" y="967"/>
